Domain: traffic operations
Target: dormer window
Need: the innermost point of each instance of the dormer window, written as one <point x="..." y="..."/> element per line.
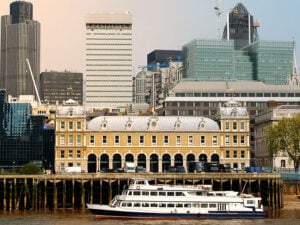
<point x="202" y="125"/>
<point x="177" y="124"/>
<point x="153" y="123"/>
<point x="103" y="125"/>
<point x="128" y="125"/>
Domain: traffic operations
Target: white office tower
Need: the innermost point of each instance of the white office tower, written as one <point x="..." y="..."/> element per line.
<point x="108" y="76"/>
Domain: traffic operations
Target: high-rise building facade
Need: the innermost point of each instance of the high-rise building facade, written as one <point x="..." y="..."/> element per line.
<point x="108" y="77"/>
<point x="20" y="40"/>
<point x="57" y="87"/>
<point x="240" y="55"/>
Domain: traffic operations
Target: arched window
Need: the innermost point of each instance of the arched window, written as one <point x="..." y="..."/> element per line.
<point x="92" y="163"/>
<point x="178" y="160"/>
<point x="215" y="158"/>
<point x="104" y="162"/>
<point x="142" y="160"/>
<point x="154" y="163"/>
<point x="203" y="158"/>
<point x="117" y="161"/>
<point x="166" y="162"/>
<point x="129" y="158"/>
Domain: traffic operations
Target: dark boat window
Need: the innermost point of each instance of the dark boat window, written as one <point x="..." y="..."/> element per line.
<point x="136" y="193"/>
<point x="153" y="205"/>
<point x="179" y="193"/>
<point x="145" y="193"/>
<point x="162" y="205"/>
<point x="170" y="205"/>
<point x="153" y="193"/>
<point x="212" y="205"/>
<point x="170" y="194"/>
<point x="204" y="205"/>
<point x="129" y="204"/>
<point x="136" y="204"/>
<point x="179" y="205"/>
<point x="187" y="205"/>
<point x="162" y="193"/>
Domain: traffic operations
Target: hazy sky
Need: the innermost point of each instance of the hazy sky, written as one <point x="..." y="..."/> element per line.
<point x="157" y="24"/>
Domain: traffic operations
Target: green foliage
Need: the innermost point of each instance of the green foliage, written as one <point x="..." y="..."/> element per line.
<point x="30" y="168"/>
<point x="285" y="137"/>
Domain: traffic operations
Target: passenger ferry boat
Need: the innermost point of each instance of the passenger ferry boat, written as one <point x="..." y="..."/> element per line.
<point x="141" y="200"/>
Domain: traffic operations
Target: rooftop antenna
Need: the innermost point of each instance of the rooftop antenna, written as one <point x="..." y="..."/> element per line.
<point x="218" y="14"/>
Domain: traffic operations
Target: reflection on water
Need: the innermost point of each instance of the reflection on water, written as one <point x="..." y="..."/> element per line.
<point x="289" y="217"/>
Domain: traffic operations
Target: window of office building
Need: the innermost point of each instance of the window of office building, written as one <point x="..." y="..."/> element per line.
<point x="242" y="125"/>
<point x="166" y="140"/>
<point x="178" y="140"/>
<point x="92" y="140"/>
<point x="227" y="140"/>
<point x="227" y="154"/>
<point x="62" y="154"/>
<point x="153" y="140"/>
<point x="242" y="139"/>
<point x="235" y="139"/>
<point x="70" y="125"/>
<point x="78" y="154"/>
<point x="117" y="139"/>
<point x="227" y="125"/>
<point x="71" y="140"/>
<point x="242" y="154"/>
<point x="129" y="140"/>
<point x="235" y="155"/>
<point x="104" y="140"/>
<point x="62" y="139"/>
<point x="202" y="140"/>
<point x="78" y="140"/>
<point x="234" y="125"/>
<point x="62" y="125"/>
<point x="70" y="154"/>
<point x="141" y="140"/>
<point x="191" y="140"/>
<point x="215" y="140"/>
<point x="78" y="125"/>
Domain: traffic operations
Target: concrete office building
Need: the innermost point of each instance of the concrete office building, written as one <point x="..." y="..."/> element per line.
<point x="262" y="121"/>
<point x="20" y="39"/>
<point x="108" y="77"/>
<point x="57" y="87"/>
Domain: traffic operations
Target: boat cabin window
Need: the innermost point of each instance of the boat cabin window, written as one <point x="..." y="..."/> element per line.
<point x="187" y="205"/>
<point x="170" y="193"/>
<point x="136" y="204"/>
<point x="171" y="205"/>
<point x="136" y="193"/>
<point x="129" y="204"/>
<point x="250" y="202"/>
<point x="195" y="205"/>
<point x="179" y="193"/>
<point x="204" y="205"/>
<point x="129" y="193"/>
<point x="201" y="193"/>
<point x="212" y="205"/>
<point x="179" y="205"/>
<point x="153" y="205"/>
<point x="145" y="193"/>
<point x="163" y="205"/>
<point x="141" y="182"/>
<point x="153" y="193"/>
<point x="161" y="193"/>
<point x="145" y="204"/>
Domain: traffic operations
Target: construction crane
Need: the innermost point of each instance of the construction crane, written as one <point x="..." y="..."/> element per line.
<point x="34" y="84"/>
<point x="218" y="14"/>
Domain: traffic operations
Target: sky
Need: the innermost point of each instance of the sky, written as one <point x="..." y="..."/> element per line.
<point x="157" y="24"/>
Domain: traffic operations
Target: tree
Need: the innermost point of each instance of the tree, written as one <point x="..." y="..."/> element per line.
<point x="284" y="137"/>
<point x="30" y="168"/>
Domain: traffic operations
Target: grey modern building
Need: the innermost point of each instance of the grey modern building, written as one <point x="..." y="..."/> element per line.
<point x="161" y="56"/>
<point x="20" y="40"/>
<point x="57" y="87"/>
<point x="240" y="55"/>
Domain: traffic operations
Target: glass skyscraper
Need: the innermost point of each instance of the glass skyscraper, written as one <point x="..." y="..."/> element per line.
<point x="21" y="135"/>
<point x="240" y="55"/>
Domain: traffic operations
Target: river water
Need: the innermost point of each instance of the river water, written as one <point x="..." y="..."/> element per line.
<point x="289" y="217"/>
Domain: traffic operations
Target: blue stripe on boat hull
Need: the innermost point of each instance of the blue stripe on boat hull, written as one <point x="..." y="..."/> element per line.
<point x="211" y="215"/>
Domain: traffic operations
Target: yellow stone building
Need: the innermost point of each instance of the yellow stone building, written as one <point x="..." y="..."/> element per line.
<point x="153" y="142"/>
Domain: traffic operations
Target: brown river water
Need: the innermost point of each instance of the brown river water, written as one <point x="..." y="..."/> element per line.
<point x="289" y="217"/>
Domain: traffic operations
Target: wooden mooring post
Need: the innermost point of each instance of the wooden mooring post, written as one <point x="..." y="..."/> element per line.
<point x="44" y="192"/>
